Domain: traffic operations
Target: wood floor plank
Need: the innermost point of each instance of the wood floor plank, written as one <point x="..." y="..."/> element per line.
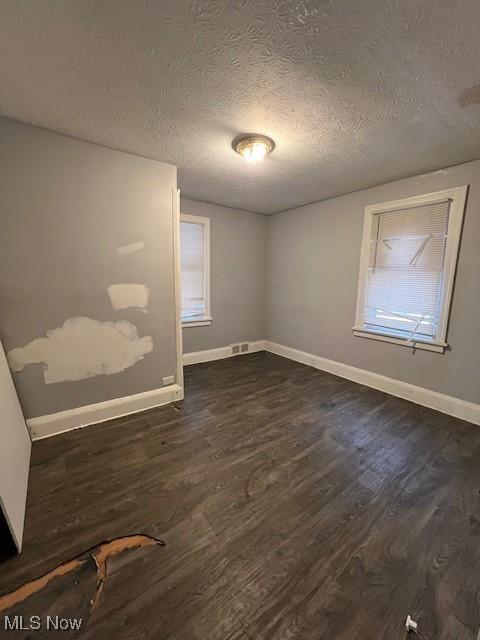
<point x="294" y="505"/>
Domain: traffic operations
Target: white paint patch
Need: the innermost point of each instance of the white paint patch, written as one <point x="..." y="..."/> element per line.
<point x="124" y="296"/>
<point x="83" y="348"/>
<point x="440" y="172"/>
<point x="131" y="248"/>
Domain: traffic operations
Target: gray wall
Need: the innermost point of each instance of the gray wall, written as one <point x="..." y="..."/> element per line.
<point x="237" y="259"/>
<point x="66" y="206"/>
<point x="312" y="271"/>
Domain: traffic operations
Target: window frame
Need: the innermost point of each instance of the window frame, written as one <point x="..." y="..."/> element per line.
<point x="206" y="319"/>
<point x="457" y="197"/>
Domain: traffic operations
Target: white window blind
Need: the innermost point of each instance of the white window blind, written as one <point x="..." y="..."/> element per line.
<point x="194" y="270"/>
<point x="405" y="270"/>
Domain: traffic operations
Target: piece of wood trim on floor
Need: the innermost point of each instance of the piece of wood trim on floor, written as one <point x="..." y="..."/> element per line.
<point x="221" y="352"/>
<point x="54" y="423"/>
<point x="456" y="407"/>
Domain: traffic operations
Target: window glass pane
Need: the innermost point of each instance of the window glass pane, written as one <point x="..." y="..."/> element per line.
<point x="406" y="257"/>
<point x="193" y="271"/>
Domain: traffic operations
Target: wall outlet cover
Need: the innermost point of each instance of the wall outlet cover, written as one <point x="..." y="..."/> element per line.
<point x="168" y="380"/>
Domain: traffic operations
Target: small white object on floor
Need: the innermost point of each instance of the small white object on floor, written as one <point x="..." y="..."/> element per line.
<point x="410" y="624"/>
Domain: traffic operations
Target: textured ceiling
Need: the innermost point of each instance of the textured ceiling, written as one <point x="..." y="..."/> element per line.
<point x="355" y="93"/>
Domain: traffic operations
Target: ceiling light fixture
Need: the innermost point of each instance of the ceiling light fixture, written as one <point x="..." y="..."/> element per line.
<point x="253" y="148"/>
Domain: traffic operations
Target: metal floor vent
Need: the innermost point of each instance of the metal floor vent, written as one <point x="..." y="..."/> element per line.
<point x="242" y="347"/>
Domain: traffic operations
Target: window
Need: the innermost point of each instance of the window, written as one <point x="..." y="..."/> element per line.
<point x="195" y="268"/>
<point x="407" y="269"/>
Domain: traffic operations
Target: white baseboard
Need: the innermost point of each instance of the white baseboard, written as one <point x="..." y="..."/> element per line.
<point x="218" y="354"/>
<point x="49" y="425"/>
<point x="446" y="404"/>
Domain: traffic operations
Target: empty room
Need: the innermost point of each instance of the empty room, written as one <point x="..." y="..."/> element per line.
<point x="240" y="305"/>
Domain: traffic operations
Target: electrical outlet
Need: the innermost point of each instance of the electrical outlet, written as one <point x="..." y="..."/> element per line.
<point x="168" y="380"/>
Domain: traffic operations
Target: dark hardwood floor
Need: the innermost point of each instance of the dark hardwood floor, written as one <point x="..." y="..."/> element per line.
<point x="293" y="504"/>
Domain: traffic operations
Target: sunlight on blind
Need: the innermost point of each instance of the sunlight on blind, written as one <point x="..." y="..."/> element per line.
<point x="193" y="270"/>
<point x="407" y="250"/>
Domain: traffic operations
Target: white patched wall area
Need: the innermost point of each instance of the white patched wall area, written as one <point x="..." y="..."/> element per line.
<point x="125" y="296"/>
<point x="82" y="348"/>
<point x="131" y="248"/>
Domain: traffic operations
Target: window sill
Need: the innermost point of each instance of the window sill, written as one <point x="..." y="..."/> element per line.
<point x="200" y="322"/>
<point x="437" y="347"/>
